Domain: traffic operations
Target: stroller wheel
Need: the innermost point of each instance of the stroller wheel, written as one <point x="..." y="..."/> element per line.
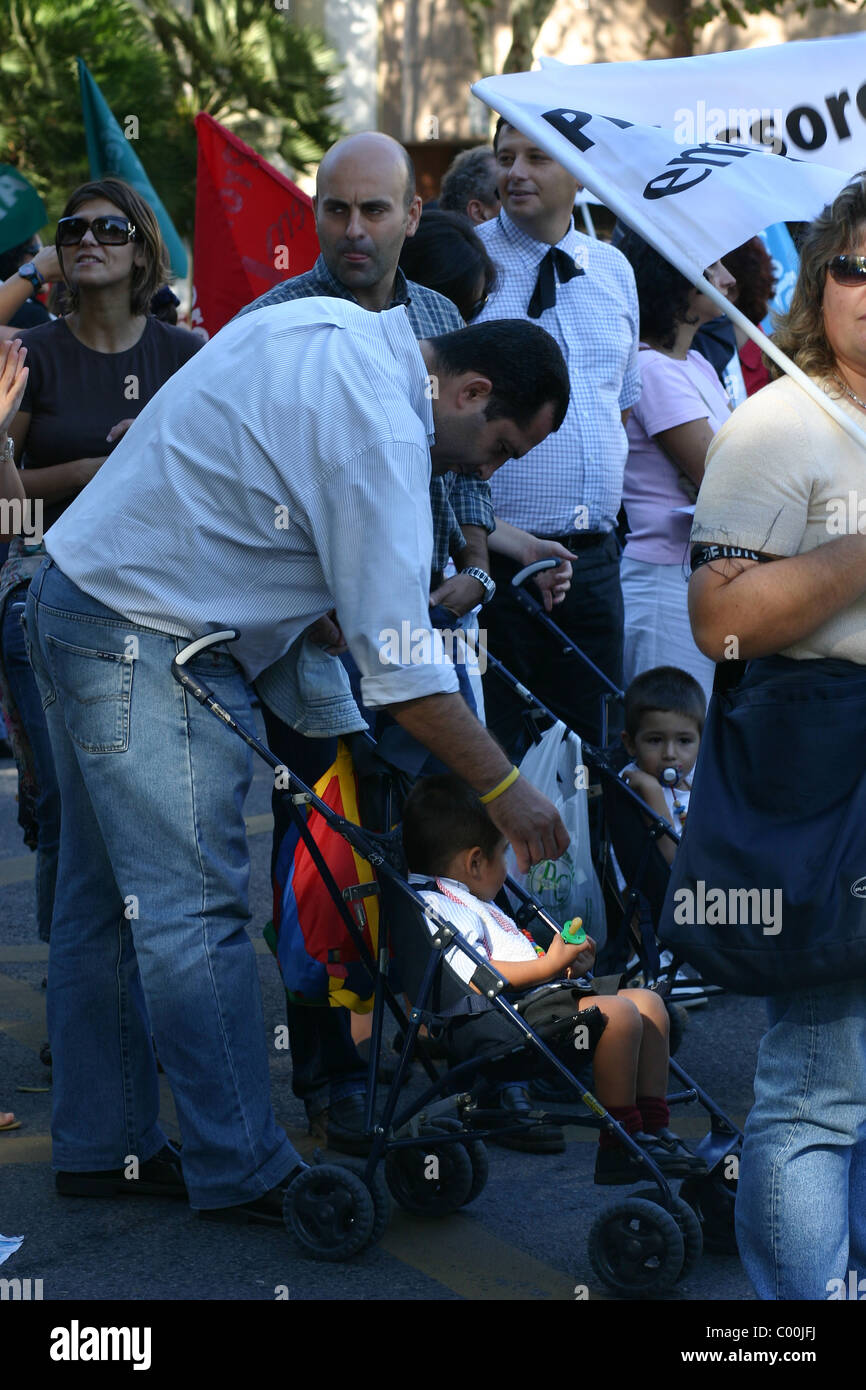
<point x="477" y="1151"/>
<point x="712" y="1200"/>
<point x="433" y="1180"/>
<point x="330" y="1211"/>
<point x="690" y="1229"/>
<point x="378" y="1191"/>
<point x="636" y="1248"/>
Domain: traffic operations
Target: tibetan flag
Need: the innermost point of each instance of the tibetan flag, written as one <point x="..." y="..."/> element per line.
<point x="110" y="154"/>
<point x="318" y="959"/>
<point x="253" y="226"/>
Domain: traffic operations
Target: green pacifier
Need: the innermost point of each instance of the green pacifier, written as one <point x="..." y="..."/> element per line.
<point x="573" y="933"/>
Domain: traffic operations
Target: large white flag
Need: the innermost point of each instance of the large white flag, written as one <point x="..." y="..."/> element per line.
<point x="804" y="99"/>
<point x="693" y="202"/>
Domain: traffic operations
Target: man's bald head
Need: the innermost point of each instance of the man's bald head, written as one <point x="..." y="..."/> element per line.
<point x="376" y="152"/>
<point x="366" y="206"/>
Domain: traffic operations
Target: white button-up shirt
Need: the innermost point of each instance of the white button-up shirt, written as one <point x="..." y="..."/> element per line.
<point x="283" y="471"/>
<point x="573" y="479"/>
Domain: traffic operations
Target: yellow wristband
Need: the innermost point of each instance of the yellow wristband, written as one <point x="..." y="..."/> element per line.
<point x="502" y="786"/>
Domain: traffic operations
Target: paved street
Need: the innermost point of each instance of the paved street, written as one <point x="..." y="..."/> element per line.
<point x="523" y="1238"/>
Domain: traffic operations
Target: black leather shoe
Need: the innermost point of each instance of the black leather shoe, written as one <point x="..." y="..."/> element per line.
<point x="618" y="1168"/>
<point x="160" y="1176"/>
<point x="266" y="1210"/>
<point x="514" y="1106"/>
<point x="341" y="1126"/>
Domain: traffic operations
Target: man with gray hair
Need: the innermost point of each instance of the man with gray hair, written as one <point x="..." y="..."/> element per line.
<point x="469" y="185"/>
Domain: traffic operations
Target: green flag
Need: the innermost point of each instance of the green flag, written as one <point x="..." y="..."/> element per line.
<point x="111" y="154"/>
<point x="22" y="211"/>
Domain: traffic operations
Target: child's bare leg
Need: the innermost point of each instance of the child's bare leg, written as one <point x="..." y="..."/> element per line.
<point x="652" y="1067"/>
<point x="615" y="1061"/>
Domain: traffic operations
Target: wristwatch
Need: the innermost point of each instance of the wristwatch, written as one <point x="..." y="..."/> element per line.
<point x="29" y="272"/>
<point x="484" y="580"/>
<point x="7" y="448"/>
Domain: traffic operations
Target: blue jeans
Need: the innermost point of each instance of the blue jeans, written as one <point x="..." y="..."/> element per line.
<point x="801" y="1199"/>
<point x="19" y="674"/>
<point x="149" y="933"/>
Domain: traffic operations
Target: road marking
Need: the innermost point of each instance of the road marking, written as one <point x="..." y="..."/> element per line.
<point x="22" y="1013"/>
<point x="464" y="1256"/>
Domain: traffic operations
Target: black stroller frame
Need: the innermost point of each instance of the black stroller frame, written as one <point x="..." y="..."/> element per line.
<point x="638" y="1248"/>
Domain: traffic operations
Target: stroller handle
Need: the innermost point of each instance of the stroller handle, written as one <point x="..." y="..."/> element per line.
<point x="210" y="639"/>
<point x="197" y="689"/>
<point x="529" y="570"/>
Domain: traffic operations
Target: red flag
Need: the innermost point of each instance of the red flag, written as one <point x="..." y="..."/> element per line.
<point x="253" y="226"/>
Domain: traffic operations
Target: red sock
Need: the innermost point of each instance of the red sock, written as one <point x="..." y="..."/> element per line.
<point x="628" y="1116"/>
<point x="654" y="1113"/>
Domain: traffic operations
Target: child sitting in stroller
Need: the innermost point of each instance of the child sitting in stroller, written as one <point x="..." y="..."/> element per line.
<point x="664" y="719"/>
<point x="456" y="857"/>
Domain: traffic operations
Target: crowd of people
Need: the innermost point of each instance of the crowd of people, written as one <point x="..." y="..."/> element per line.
<point x="451" y="393"/>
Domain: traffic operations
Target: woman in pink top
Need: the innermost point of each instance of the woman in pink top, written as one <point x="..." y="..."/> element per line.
<point x="682" y="405"/>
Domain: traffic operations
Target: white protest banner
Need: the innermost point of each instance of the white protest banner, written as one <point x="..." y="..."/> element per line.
<point x="693" y="203"/>
<point x="701" y="200"/>
<point x="805" y="99"/>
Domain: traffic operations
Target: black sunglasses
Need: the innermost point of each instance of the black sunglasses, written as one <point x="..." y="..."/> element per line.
<point x="108" y="231"/>
<point x="476" y="308"/>
<point x="848" y="270"/>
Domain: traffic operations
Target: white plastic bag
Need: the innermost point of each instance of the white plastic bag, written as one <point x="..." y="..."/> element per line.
<point x="568" y="886"/>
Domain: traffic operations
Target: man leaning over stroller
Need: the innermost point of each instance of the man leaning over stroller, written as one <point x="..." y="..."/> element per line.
<point x="282" y="472"/>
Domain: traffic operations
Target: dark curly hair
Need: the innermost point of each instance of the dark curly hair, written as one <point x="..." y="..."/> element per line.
<point x="662" y="292"/>
<point x="752" y="268"/>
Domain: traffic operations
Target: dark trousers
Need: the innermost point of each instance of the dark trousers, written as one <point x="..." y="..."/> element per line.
<point x="325" y="1063"/>
<point x="591" y="615"/>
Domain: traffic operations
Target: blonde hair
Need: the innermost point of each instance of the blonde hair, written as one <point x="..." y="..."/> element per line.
<point x="800" y="332"/>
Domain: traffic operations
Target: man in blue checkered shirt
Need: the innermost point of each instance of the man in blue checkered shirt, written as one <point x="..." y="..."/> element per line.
<point x="569" y="488"/>
<point x="366" y="206"/>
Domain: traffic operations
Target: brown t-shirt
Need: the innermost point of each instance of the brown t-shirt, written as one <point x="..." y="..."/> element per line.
<point x="783" y="477"/>
<point x="75" y="394"/>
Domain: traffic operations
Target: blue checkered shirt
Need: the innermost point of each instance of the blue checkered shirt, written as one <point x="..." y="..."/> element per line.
<point x="595" y="321"/>
<point x="454" y="501"/>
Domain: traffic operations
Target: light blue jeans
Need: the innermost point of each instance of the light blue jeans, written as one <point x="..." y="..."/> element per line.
<point x="801" y="1198"/>
<point x="149" y="933"/>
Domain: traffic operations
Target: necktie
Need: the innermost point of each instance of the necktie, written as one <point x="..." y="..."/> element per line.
<point x="544" y="294"/>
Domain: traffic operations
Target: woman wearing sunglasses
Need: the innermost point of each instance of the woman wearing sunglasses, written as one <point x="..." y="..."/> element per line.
<point x="90" y="375"/>
<point x="779" y="579"/>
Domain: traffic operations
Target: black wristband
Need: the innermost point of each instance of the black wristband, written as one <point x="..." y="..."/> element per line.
<point x="704" y="554"/>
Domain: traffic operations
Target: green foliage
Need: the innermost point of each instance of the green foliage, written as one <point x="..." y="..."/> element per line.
<point x="243" y="61"/>
<point x="41" y="128"/>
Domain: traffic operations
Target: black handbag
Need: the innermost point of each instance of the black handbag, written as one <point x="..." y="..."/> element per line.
<point x="768" y="890"/>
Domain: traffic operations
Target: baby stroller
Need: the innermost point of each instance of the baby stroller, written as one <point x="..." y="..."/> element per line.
<point x="628" y="830"/>
<point x="429" y="1151"/>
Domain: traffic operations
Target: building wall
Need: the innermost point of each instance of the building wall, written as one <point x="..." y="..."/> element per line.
<point x="427" y="57"/>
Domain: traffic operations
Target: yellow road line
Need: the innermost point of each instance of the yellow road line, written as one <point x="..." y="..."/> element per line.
<point x="460" y="1253"/>
<point x="22" y="1013"/>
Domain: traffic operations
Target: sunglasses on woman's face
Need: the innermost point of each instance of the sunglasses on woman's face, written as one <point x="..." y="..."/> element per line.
<point x="108" y="231"/>
<point x="848" y="270"/>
